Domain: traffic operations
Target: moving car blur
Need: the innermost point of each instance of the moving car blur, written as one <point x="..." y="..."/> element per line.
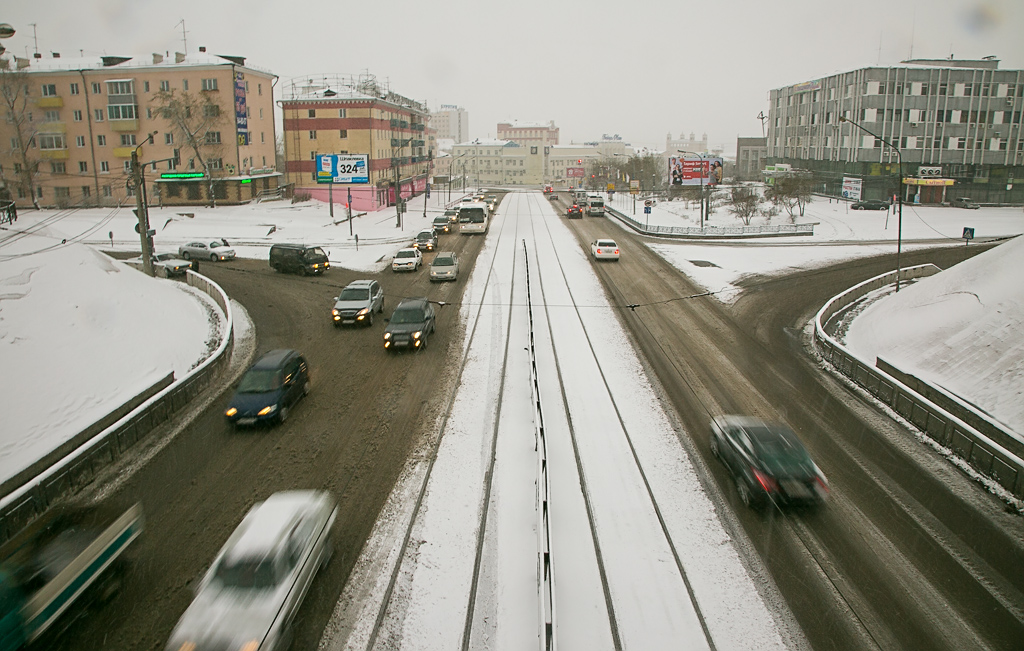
<point x="268" y="391"/>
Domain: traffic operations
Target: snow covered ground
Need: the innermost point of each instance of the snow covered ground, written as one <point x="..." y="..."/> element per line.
<point x="67" y="334"/>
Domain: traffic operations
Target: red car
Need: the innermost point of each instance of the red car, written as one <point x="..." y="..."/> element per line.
<point x="574" y="212"/>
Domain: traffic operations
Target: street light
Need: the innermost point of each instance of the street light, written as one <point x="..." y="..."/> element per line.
<point x="701" y="156"/>
<point x="899" y="193"/>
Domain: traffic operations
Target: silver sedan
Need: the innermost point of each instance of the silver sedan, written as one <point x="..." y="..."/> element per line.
<point x="212" y="250"/>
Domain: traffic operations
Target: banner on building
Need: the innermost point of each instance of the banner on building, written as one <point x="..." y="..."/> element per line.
<point x="342" y="168"/>
<point x="851" y="188"/>
<point x="241" y="114"/>
<point x="695" y="171"/>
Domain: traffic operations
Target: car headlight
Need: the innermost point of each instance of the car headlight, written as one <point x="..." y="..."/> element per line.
<point x="230" y="412"/>
<point x="387" y="335"/>
<point x="269" y="409"/>
<point x="363" y="312"/>
<point x="416" y="335"/>
<point x="335" y="312"/>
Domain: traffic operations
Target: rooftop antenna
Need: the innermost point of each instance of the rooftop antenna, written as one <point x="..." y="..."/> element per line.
<point x="35" y="39"/>
<point x="763" y="118"/>
<point x="183" y="37"/>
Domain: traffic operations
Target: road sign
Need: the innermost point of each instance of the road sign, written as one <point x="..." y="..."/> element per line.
<point x="968" y="233"/>
<point x="634" y="187"/>
<point x="648" y="204"/>
<point x="647" y="210"/>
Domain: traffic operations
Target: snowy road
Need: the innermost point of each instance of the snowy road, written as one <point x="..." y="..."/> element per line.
<point x="638" y="557"/>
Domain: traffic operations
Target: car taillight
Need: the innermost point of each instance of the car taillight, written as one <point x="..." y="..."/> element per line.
<point x="616" y="251"/>
<point x="767" y="483"/>
<point x="822" y="482"/>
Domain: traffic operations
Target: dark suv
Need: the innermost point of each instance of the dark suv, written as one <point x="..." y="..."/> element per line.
<point x="268" y="390"/>
<point x="410" y="325"/>
<point x="298" y="258"/>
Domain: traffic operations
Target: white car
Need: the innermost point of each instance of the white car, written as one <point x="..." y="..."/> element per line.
<point x="214" y="250"/>
<point x="171" y="264"/>
<point x="407" y="260"/>
<point x="604" y="250"/>
<point x="257" y="582"/>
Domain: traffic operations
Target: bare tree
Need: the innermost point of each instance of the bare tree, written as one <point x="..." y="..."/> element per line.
<point x="744" y="202"/>
<point x="193" y="121"/>
<point x="14" y="91"/>
<point x="791" y="192"/>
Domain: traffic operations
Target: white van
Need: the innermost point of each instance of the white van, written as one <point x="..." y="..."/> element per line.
<point x="595" y="206"/>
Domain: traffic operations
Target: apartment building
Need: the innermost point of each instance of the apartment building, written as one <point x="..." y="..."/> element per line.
<point x="498" y="162"/>
<point x="955" y="124"/>
<point x="69" y="139"/>
<point x="356" y="116"/>
<point x="451" y="123"/>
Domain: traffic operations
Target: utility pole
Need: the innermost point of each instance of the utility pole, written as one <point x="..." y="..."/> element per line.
<point x="140" y="210"/>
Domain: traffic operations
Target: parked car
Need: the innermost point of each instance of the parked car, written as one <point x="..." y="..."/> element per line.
<point x="965" y="202"/>
<point x="252" y="592"/>
<point x="171" y="264"/>
<point x="441" y="225"/>
<point x="604" y="250"/>
<point x="299" y="258"/>
<point x="425" y="241"/>
<point x="407" y="260"/>
<point x="357" y="302"/>
<point x="444" y="266"/>
<point x="869" y="204"/>
<point x="268" y="391"/>
<point x="410" y="325"/>
<point x="213" y="250"/>
<point x="574" y="212"/>
<point x="768" y="463"/>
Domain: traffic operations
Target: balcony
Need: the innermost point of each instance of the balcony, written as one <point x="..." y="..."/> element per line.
<point x="123" y="125"/>
<point x="53" y="127"/>
<point x="123" y="152"/>
<point x="53" y="154"/>
<point x="50" y="102"/>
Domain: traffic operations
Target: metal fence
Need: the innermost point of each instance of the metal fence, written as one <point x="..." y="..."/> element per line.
<point x="81" y="465"/>
<point x="988" y="446"/>
<point x="713" y="232"/>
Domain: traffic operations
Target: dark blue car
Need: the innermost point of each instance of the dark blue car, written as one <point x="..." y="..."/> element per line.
<point x="269" y="390"/>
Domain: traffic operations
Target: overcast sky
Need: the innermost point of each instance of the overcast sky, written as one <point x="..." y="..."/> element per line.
<point x="639" y="69"/>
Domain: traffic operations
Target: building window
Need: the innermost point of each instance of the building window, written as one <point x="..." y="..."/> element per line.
<point x="58" y="167"/>
<point x="343" y="133"/>
<point x="120" y="88"/>
<point x="312" y="155"/>
<point x="97" y="88"/>
<point x="76" y="116"/>
<point x="83" y="166"/>
<point x="51" y="116"/>
<point x="261" y="114"/>
<point x="74" y="89"/>
<point x="122" y="112"/>
<point x="212" y="137"/>
<point x="99" y="115"/>
<point x="62" y="193"/>
<point x="209" y="84"/>
<point x="80" y="141"/>
<point x="86" y="192"/>
<point x="312" y="135"/>
<point x="49" y="90"/>
<point x="259" y="89"/>
<point x="128" y="140"/>
<point x="311" y="113"/>
<point x="184" y="84"/>
<point x="341" y="113"/>
<point x="101" y="140"/>
<point x="104" y="166"/>
<point x="211" y="110"/>
<point x="168" y="138"/>
<point x="215" y="164"/>
<point x="165" y="86"/>
<point x="50" y="141"/>
<point x="128" y="168"/>
<point x="261" y="137"/>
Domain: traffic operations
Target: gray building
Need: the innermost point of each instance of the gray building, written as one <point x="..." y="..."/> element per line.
<point x="751" y="157"/>
<point x="957" y="125"/>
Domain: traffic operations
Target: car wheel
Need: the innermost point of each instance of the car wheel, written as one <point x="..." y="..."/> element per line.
<point x="185" y="255"/>
<point x="744" y="491"/>
<point x="423" y="346"/>
<point x="380" y="310"/>
<point x="714" y="447"/>
<point x="369" y="318"/>
<point x="282" y="415"/>
<point x="306" y="387"/>
<point x="213" y="257"/>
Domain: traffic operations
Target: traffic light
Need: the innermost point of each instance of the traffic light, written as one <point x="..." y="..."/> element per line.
<point x="579" y="160"/>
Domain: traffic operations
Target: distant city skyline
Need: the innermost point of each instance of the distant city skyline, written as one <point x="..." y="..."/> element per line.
<point x="642" y="71"/>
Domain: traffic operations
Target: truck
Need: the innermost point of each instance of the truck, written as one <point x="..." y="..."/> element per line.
<point x="67" y="557"/>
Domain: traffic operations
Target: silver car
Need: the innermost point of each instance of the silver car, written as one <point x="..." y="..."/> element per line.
<point x="252" y="592"/>
<point x="213" y="250"/>
<point x="357" y="303"/>
<point x="445" y="266"/>
<point x="171" y="264"/>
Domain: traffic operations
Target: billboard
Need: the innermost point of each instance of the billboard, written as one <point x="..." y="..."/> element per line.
<point x="574" y="171"/>
<point x="694" y="171"/>
<point x="241" y="114"/>
<point x="342" y="168"/>
<point x="851" y="188"/>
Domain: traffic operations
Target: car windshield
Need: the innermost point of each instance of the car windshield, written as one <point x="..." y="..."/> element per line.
<point x="779" y="450"/>
<point x="259" y="380"/>
<point x="444" y="261"/>
<point x="247" y="573"/>
<point x="315" y="252"/>
<point x="354" y="294"/>
<point x="406" y="254"/>
<point x="424" y="236"/>
<point x="215" y="245"/>
<point x="605" y="243"/>
<point x="407" y="315"/>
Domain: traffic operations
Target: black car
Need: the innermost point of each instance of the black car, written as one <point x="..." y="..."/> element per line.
<point x="870" y="204"/>
<point x="410" y="325"/>
<point x="298" y="258"/>
<point x="767" y="461"/>
<point x="269" y="390"/>
<point x="574" y="212"/>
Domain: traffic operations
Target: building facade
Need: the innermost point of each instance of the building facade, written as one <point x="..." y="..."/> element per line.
<point x="751" y="157"/>
<point x="355" y="115"/>
<point x="69" y="135"/>
<point x="529" y="133"/>
<point x="450" y="122"/>
<point x="956" y="125"/>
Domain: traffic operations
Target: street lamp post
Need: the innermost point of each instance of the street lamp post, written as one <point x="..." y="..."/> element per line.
<point x="701" y="156"/>
<point x="899" y="193"/>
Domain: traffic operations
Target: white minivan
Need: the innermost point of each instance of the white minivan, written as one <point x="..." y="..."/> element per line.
<point x="595" y="206"/>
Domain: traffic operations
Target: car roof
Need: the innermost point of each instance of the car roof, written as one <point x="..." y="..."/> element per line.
<point x="444" y="254"/>
<point x="409" y="248"/>
<point x="418" y="301"/>
<point x="275" y="358"/>
<point x="268" y="522"/>
<point x="359" y="283"/>
<point x="425" y="232"/>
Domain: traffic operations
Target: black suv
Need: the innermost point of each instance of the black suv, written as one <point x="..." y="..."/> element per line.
<point x="298" y="258"/>
<point x="268" y="390"/>
<point x="410" y="325"/>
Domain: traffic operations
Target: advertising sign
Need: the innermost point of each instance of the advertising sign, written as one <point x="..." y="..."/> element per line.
<point x="342" y="168"/>
<point x="574" y="171"/>
<point x="241" y="119"/>
<point x="695" y="171"/>
<point x="634" y="187"/>
<point x="851" y="188"/>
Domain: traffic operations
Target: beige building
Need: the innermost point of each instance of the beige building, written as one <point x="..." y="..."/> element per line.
<point x="529" y="133"/>
<point x="450" y="122"/>
<point x="71" y="140"/>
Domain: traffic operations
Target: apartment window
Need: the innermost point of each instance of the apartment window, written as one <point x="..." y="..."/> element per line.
<point x="49" y="90"/>
<point x="128" y="168"/>
<point x="312" y="135"/>
<point x="343" y="133"/>
<point x="985" y="90"/>
<point x="149" y="113"/>
<point x="184" y="84"/>
<point x="168" y="138"/>
<point x="165" y="86"/>
<point x="83" y="166"/>
<point x="261" y="137"/>
<point x="62" y="192"/>
<point x="86" y="192"/>
<point x="58" y="167"/>
<point x="214" y="164"/>
<point x="312" y="155"/>
<point x="74" y="89"/>
<point x="247" y="86"/>
<point x="51" y="116"/>
<point x="175" y="157"/>
<point x="99" y="115"/>
<point x="211" y="110"/>
<point x="261" y="114"/>
<point x="212" y="137"/>
<point x="121" y="112"/>
<point x="17" y="168"/>
<point x="311" y="113"/>
<point x="77" y="116"/>
<point x="107" y="191"/>
<point x="120" y="88"/>
<point x="101" y="140"/>
<point x="80" y="141"/>
<point x="145" y="86"/>
<point x="341" y="113"/>
<point x="259" y="89"/>
<point x="128" y="140"/>
<point x="104" y="166"/>
<point x="52" y="141"/>
<point x="209" y="84"/>
<point x="97" y="88"/>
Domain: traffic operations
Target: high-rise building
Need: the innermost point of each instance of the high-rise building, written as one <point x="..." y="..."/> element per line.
<point x="451" y="123"/>
<point x="356" y="116"/>
<point x="956" y="125"/>
<point x="200" y="124"/>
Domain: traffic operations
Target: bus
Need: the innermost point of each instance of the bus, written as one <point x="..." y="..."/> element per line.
<point x="473" y="218"/>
